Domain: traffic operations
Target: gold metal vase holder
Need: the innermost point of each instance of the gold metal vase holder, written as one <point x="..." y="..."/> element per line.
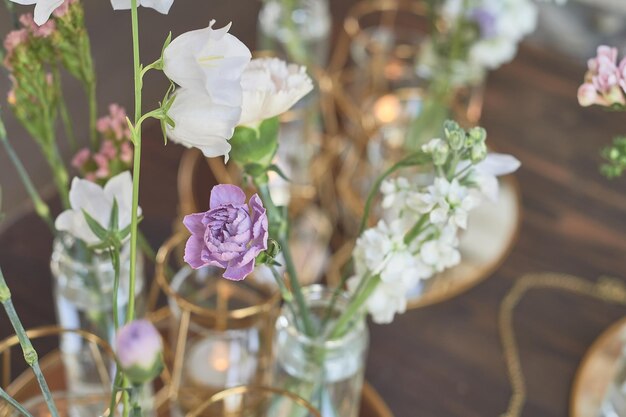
<point x="599" y="365"/>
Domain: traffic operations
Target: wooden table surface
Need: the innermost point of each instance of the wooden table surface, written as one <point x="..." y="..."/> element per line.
<point x="446" y="359"/>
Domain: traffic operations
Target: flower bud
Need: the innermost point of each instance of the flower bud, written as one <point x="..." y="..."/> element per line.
<point x="587" y="95"/>
<point x="476" y="135"/>
<point x="456" y="139"/>
<point x="139" y="350"/>
<point x="450" y="126"/>
<point x="479" y="152"/>
<point x="439" y="151"/>
<point x="255" y="146"/>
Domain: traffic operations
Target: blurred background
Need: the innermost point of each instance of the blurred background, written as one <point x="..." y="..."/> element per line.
<point x="574" y="31"/>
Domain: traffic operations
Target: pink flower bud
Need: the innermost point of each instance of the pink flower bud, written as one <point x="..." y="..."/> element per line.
<point x="127" y="153"/>
<point x="108" y="149"/>
<point x="81" y="158"/>
<point x="102" y="162"/>
<point x="139" y="349"/>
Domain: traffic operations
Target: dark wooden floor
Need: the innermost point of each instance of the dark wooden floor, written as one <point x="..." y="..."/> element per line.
<point x="446" y="360"/>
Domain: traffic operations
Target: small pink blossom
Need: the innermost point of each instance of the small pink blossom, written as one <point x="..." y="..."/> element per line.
<point x="107" y="149"/>
<point x="62" y="10"/>
<point x="103" y="166"/>
<point x="115" y="123"/>
<point x="127" y="153"/>
<point x="13" y="39"/>
<point x="604" y="53"/>
<point x="42" y="31"/>
<point x="81" y="158"/>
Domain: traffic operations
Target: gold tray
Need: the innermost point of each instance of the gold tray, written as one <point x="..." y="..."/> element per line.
<point x="25" y="386"/>
<point x="492" y="232"/>
<point x="597" y="370"/>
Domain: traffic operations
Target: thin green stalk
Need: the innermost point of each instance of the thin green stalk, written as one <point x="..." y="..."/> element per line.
<point x="416" y="229"/>
<point x="65" y="115"/>
<point x="274" y="213"/>
<point x="353" y="308"/>
<point x="286" y="294"/>
<point x="41" y="208"/>
<point x="417" y="158"/>
<point x="10" y="400"/>
<point x="93" y="113"/>
<point x="30" y="355"/>
<point x="115" y="260"/>
<point x="136" y="164"/>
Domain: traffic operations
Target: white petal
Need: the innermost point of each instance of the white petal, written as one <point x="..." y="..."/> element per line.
<point x="498" y="164"/>
<point x="202" y="124"/>
<point x="161" y="6"/>
<point x="88" y="196"/>
<point x="43" y="10"/>
<point x="120" y="188"/>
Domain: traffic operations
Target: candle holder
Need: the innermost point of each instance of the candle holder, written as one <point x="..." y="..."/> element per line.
<point x="80" y="379"/>
<point x="219" y="332"/>
<point x="255" y="401"/>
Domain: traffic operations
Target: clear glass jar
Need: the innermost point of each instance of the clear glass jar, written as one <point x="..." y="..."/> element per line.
<point x="83" y="293"/>
<point x="614" y="404"/>
<point x="296" y="30"/>
<point x="327" y="373"/>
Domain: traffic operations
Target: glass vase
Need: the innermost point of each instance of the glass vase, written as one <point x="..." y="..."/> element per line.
<point x="219" y="331"/>
<point x="327" y="373"/>
<point x="614" y="403"/>
<point x="296" y="30"/>
<point x="83" y="294"/>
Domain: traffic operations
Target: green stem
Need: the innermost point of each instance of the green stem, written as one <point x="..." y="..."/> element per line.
<point x="6" y="397"/>
<point x="30" y="355"/>
<point x="93" y="113"/>
<point x="416" y="229"/>
<point x="416" y="158"/>
<point x="65" y="115"/>
<point x="41" y="208"/>
<point x="275" y="215"/>
<point x="115" y="260"/>
<point x="136" y="164"/>
<point x="353" y="308"/>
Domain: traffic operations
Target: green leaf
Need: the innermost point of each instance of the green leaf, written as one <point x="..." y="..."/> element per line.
<point x="114" y="222"/>
<point x="255" y="146"/>
<point x="96" y="227"/>
<point x="275" y="168"/>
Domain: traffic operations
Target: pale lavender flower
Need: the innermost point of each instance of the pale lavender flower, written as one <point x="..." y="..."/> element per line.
<point x="139" y="349"/>
<point x="230" y="235"/>
<point x="486" y="21"/>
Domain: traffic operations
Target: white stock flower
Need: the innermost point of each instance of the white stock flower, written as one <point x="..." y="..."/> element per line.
<point x="443" y="252"/>
<point x="372" y="248"/>
<point x="485" y="173"/>
<point x="386" y="301"/>
<point x="208" y="60"/>
<point x="98" y="203"/>
<point x="270" y="88"/>
<point x="43" y="8"/>
<point x="451" y="201"/>
<point x="161" y="6"/>
<point x="492" y="53"/>
<point x="201" y="123"/>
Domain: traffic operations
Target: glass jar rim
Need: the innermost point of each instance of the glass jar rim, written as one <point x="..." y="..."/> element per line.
<point x="342" y="301"/>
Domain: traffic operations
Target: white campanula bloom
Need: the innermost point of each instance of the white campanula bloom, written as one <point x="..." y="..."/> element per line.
<point x="161" y="6"/>
<point x="201" y="123"/>
<point x="210" y="61"/>
<point x="43" y="8"/>
<point x="270" y="88"/>
<point x="98" y="202"/>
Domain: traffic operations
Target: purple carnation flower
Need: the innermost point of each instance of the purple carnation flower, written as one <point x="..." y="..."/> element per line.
<point x="230" y="235"/>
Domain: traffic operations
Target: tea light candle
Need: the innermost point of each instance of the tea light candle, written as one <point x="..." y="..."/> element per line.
<point x="387" y="109"/>
<point x="220" y="363"/>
